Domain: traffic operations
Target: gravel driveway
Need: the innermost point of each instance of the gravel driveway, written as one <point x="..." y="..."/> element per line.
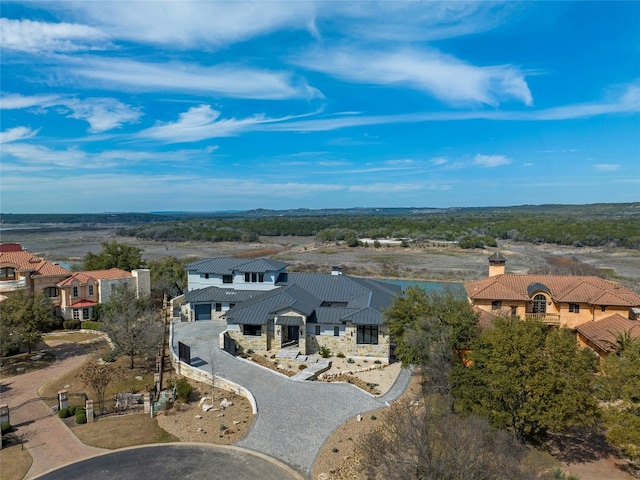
<point x="294" y="418"/>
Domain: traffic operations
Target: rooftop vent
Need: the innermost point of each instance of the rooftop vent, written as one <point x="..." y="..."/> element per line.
<point x="336" y="270"/>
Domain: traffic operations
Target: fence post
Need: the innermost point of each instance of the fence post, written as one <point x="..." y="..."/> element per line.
<point x="89" y="409"/>
<point x="63" y="399"/>
<point x="4" y="417"/>
<point x="147" y="402"/>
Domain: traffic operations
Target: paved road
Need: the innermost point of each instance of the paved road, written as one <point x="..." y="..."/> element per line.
<point x="175" y="461"/>
<point x="294" y="418"/>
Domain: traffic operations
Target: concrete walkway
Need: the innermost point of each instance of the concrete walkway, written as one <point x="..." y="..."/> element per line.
<point x="47" y="439"/>
<point x="294" y="418"/>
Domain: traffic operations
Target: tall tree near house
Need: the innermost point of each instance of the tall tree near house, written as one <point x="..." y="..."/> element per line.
<point x="114" y="255"/>
<point x="23" y="319"/>
<point x="432" y="330"/>
<point x="98" y="377"/>
<point x="527" y="378"/>
<point x="168" y="276"/>
<point x="131" y="324"/>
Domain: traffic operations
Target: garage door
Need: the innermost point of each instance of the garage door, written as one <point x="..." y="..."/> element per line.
<point x="203" y="312"/>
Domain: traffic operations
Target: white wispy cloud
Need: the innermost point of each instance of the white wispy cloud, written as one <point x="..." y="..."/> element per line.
<point x="102" y="114"/>
<point x="17" y="133"/>
<point x="442" y="76"/>
<point x="35" y="36"/>
<point x="17" y="101"/>
<point x="490" y="161"/>
<point x="607" y="167"/>
<point x="229" y="80"/>
<point x="439" y="161"/>
<point x="203" y="122"/>
<point x="187" y="24"/>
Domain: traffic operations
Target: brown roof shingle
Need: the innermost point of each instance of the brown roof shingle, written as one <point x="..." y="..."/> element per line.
<point x="603" y="332"/>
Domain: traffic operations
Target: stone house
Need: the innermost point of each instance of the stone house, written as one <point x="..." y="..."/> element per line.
<point x="267" y="308"/>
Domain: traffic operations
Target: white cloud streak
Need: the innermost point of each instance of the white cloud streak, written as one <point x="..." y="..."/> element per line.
<point x="229" y="80"/>
<point x="442" y="76"/>
<point x="490" y="161"/>
<point x="17" y="133"/>
<point x="102" y="114"/>
<point x="34" y="36"/>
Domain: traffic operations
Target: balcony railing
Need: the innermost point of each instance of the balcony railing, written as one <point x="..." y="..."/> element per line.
<point x="548" y="318"/>
<point x="9" y="285"/>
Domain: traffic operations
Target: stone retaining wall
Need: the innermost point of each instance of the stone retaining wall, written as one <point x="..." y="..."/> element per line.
<point x="198" y="375"/>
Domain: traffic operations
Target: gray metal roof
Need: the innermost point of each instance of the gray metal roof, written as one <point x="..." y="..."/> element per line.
<point x="366" y="316"/>
<point x="288" y="320"/>
<point x="226" y="265"/>
<point x="217" y="294"/>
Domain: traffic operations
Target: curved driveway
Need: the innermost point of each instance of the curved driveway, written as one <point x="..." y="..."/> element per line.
<point x="294" y="418"/>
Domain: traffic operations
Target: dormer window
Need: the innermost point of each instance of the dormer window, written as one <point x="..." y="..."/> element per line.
<point x="539" y="304"/>
<point x="91" y="290"/>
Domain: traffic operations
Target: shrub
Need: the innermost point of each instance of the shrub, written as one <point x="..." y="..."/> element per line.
<point x="110" y="356"/>
<point x="183" y="389"/>
<point x="6" y="428"/>
<point x="250" y="351"/>
<point x="81" y="416"/>
<point x="325" y="352"/>
<point x="223" y="427"/>
<point x="350" y="360"/>
<point x="340" y="355"/>
<point x="64" y="413"/>
<point x="301" y="367"/>
<point x="72" y="409"/>
<point x="92" y="325"/>
<point x="72" y="324"/>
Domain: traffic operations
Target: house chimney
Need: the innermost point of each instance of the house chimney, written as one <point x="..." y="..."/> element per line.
<point x="336" y="270"/>
<point x="496" y="264"/>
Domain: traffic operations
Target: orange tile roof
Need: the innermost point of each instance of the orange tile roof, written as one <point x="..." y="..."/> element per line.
<point x="81" y="277"/>
<point x="563" y="288"/>
<point x="603" y="332"/>
<point x="111" y="274"/>
<point x="24" y="261"/>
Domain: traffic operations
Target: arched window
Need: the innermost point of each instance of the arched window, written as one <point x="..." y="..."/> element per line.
<point x="7" y="273"/>
<point x="539" y="304"/>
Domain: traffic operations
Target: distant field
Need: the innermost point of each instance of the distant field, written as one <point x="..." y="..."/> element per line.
<point x="69" y="244"/>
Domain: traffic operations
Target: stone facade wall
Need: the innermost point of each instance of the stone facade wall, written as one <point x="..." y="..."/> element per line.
<point x="250" y="341"/>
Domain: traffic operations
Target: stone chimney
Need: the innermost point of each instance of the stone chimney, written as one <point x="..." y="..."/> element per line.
<point x="496" y="264"/>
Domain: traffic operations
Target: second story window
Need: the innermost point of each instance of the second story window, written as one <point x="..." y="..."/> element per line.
<point x="7" y="273"/>
<point x="227" y="278"/>
<point x="574" y="308"/>
<point x="51" y="292"/>
<point x="91" y="290"/>
<point x="74" y="291"/>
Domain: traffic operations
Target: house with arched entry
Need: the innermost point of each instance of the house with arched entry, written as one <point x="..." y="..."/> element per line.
<point x="570" y="301"/>
<point x="267" y="308"/>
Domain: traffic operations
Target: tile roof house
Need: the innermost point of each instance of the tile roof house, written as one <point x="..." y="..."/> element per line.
<point x="72" y="294"/>
<point x="21" y="270"/>
<point x="569" y="301"/>
<point x="600" y="336"/>
<point x="267" y="308"/>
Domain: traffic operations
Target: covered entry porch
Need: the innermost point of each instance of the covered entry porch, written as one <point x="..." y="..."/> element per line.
<point x="290" y="331"/>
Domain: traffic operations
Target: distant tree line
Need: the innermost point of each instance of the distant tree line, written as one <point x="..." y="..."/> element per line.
<point x="469" y="230"/>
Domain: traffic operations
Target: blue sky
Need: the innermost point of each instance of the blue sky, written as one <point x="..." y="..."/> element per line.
<point x="157" y="106"/>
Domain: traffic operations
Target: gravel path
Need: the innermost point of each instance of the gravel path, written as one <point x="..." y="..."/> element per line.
<point x="294" y="418"/>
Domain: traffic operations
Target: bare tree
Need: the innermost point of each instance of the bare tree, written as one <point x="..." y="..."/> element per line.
<point x="427" y="441"/>
<point x="98" y="376"/>
<point x="131" y="324"/>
